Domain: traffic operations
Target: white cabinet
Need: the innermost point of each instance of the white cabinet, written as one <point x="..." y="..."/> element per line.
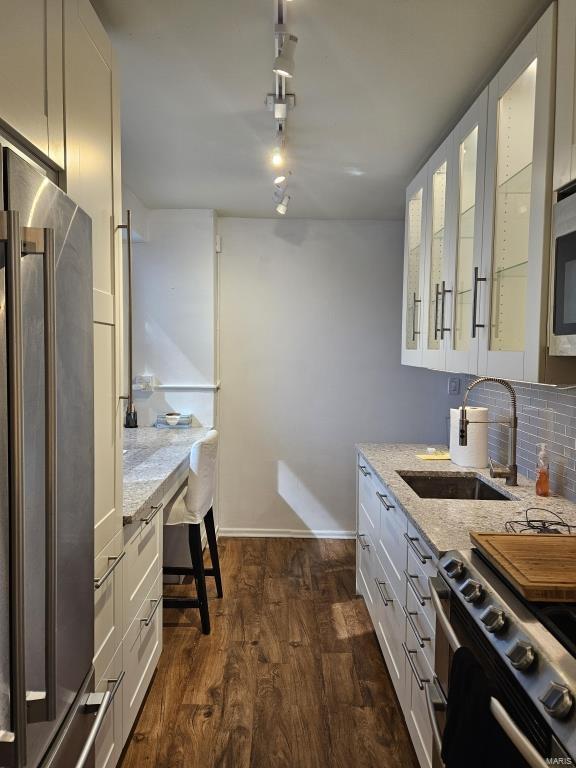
<point x="392" y="569"/>
<point x="517" y="200"/>
<point x="565" y="122"/>
<point x="466" y="205"/>
<point x="31" y="74"/>
<point x="438" y="255"/>
<point x="486" y="247"/>
<point x="414" y="257"/>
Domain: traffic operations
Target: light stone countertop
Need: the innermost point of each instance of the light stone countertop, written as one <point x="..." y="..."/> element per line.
<point x="445" y="523"/>
<point x="153" y="459"/>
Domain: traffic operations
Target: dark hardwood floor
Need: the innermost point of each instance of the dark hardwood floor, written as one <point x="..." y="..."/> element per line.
<point x="291" y="676"/>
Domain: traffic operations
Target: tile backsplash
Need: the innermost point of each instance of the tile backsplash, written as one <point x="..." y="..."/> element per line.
<point x="545" y="415"/>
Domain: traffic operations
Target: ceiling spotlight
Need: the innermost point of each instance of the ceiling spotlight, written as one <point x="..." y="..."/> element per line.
<point x="277" y="158"/>
<point x="284" y="62"/>
<point x="279" y="180"/>
<point x="282" y="206"/>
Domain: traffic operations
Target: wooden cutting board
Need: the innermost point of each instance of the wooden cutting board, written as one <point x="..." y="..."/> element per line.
<point x="541" y="567"/>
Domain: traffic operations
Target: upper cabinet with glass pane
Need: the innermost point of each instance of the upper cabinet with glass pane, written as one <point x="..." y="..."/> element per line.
<point x="516" y="245"/>
<point x="414" y="250"/>
<point x="486" y="253"/>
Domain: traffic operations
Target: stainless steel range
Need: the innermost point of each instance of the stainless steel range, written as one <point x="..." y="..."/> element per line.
<point x="528" y="652"/>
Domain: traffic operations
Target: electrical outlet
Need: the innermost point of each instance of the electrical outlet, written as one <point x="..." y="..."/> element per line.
<point x="453" y="385"/>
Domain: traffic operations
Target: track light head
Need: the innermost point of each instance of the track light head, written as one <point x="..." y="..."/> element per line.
<point x="284" y="62"/>
<point x="279" y="180"/>
<point x="277" y="157"/>
<point x="282" y="206"/>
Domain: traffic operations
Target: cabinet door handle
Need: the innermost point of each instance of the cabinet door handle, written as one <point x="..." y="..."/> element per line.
<point x="386" y="599"/>
<point x="443" y="328"/>
<point x="384" y="499"/>
<point x="412" y="579"/>
<point x="436" y="329"/>
<point x="414" y="331"/>
<point x="363" y="544"/>
<point x="152" y="515"/>
<point x="419" y="639"/>
<point x="364" y="471"/>
<point x="155" y="605"/>
<point x="422" y="556"/>
<point x="114" y="562"/>
<point x="420" y="681"/>
<point x="475" y="324"/>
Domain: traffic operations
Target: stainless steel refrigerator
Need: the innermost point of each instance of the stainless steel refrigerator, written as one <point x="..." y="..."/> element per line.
<point x="47" y="716"/>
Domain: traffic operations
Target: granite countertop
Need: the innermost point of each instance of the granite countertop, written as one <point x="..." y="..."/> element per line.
<point x="153" y="459"/>
<point x="445" y="523"/>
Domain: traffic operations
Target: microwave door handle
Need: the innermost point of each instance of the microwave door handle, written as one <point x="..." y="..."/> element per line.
<point x="441" y="614"/>
<point x="522" y="744"/>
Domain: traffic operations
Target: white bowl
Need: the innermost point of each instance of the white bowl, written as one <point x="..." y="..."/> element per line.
<point x="172" y="419"/>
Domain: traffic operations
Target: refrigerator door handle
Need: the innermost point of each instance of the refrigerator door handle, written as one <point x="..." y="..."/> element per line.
<point x="13" y="743"/>
<point x="41" y="705"/>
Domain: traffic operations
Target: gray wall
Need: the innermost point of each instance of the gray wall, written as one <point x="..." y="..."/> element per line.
<point x="545" y="415"/>
<point x="310" y="330"/>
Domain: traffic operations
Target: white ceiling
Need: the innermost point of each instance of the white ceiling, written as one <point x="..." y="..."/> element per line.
<point x="378" y="84"/>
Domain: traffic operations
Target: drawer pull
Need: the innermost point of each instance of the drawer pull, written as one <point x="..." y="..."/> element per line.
<point x="115" y="683"/>
<point x="421" y="681"/>
<point x="419" y="639"/>
<point x="384" y="499"/>
<point x="114" y="561"/>
<point x="386" y="599"/>
<point x="363" y="544"/>
<point x="412" y="579"/>
<point x="152" y="515"/>
<point x="422" y="556"/>
<point x="364" y="471"/>
<point x="155" y="604"/>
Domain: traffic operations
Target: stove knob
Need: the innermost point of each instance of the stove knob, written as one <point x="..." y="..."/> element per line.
<point x="557" y="701"/>
<point x="493" y="619"/>
<point x="455" y="568"/>
<point x="472" y="591"/>
<point x="522" y="655"/>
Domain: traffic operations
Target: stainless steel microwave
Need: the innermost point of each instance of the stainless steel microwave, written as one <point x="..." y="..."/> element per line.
<point x="563" y="298"/>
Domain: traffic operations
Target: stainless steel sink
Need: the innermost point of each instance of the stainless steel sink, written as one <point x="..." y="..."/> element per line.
<point x="460" y="486"/>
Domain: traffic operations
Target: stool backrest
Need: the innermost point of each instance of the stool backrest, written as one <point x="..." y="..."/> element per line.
<point x="202" y="475"/>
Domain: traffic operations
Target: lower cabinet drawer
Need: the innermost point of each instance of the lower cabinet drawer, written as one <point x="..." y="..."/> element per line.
<point x="108" y="613"/>
<point x="143" y="545"/>
<point x="110" y="742"/>
<point x="417" y="582"/>
<point x="418" y="629"/>
<point x="392" y="542"/>
<point x="390" y="626"/>
<point x="364" y="562"/>
<point x="142" y="647"/>
<point x="418" y="675"/>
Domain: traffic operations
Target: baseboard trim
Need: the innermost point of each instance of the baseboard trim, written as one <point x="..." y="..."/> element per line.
<point x="285" y="533"/>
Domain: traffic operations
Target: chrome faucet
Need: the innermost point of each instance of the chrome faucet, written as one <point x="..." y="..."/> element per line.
<point x="496" y="470"/>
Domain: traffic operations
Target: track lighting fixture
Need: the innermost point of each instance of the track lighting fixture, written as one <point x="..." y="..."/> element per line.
<point x="277" y="157"/>
<point x="279" y="180"/>
<point x="282" y="206"/>
<point x="284" y="62"/>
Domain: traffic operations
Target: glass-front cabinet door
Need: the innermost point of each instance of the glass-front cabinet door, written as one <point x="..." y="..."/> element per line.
<point x="414" y="250"/>
<point x="469" y="151"/>
<point x="438" y="257"/>
<point x="517" y="199"/>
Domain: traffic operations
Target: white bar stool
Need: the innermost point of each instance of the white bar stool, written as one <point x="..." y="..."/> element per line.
<point x="192" y="506"/>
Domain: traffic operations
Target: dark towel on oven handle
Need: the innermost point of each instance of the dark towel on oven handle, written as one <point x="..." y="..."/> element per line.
<point x="472" y="737"/>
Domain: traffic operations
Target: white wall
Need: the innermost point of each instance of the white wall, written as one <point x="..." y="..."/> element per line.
<point x="174" y="328"/>
<point x="310" y="364"/>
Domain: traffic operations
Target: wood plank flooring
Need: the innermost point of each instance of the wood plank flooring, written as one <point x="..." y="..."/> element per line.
<point x="291" y="676"/>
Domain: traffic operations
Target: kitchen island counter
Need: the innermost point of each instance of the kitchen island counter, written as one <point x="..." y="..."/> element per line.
<point x="154" y="460"/>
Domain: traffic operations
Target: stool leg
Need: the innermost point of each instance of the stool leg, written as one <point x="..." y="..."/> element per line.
<point x="195" y="542"/>
<point x="213" y="545"/>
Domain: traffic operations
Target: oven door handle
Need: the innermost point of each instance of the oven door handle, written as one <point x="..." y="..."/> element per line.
<point x="522" y="744"/>
<point x="435" y="583"/>
<point x="435" y="702"/>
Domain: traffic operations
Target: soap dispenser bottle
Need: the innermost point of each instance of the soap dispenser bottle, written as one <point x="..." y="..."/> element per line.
<point x="542" y="472"/>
